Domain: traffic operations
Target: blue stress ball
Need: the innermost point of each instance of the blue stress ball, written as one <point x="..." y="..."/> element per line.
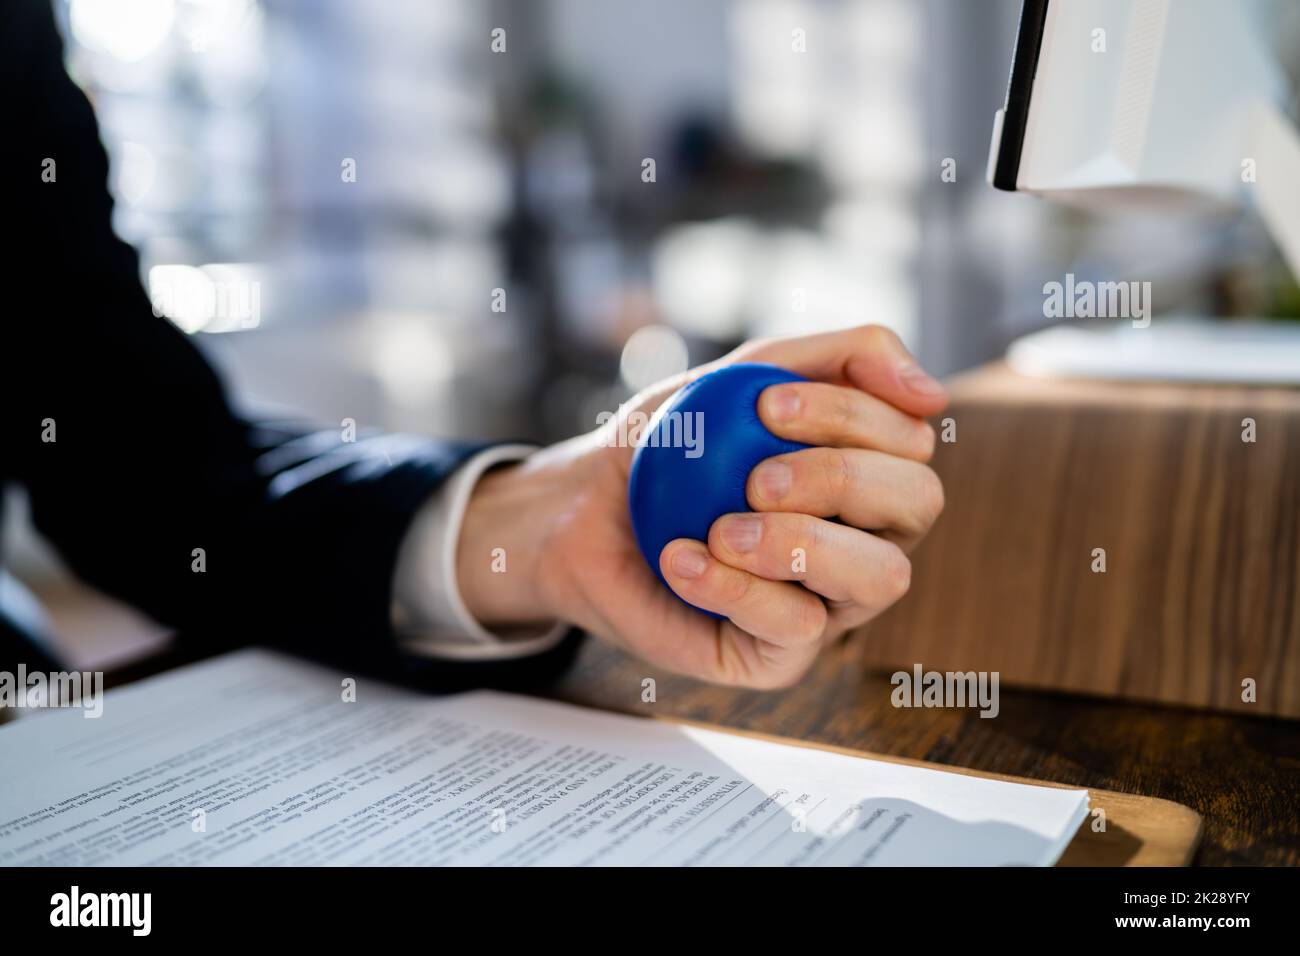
<point x="696" y="453"/>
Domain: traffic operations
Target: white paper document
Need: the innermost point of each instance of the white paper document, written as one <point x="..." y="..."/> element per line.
<point x="255" y="758"/>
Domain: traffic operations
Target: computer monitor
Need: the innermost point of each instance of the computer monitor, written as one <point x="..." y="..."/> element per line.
<point x="1144" y="102"/>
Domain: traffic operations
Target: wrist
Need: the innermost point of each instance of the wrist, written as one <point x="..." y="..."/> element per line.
<point x="502" y="552"/>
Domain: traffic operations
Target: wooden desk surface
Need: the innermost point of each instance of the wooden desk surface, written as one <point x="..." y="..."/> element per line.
<point x="1242" y="774"/>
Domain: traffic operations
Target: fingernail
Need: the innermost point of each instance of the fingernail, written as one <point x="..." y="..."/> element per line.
<point x="741" y="532"/>
<point x="773" y="479"/>
<point x="689" y="563"/>
<point x="784" y="404"/>
<point x="915" y="378"/>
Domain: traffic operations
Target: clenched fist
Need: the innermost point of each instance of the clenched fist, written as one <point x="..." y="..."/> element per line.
<point x="562" y="515"/>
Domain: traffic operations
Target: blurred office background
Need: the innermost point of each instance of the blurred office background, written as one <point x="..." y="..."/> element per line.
<point x="433" y="216"/>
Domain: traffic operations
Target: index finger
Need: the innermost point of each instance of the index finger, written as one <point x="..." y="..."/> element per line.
<point x="869" y="357"/>
<point x="818" y="414"/>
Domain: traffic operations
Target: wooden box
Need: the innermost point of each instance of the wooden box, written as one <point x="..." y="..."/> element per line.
<point x="1200" y="531"/>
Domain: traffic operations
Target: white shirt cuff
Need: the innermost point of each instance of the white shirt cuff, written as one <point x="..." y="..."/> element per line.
<point x="429" y="615"/>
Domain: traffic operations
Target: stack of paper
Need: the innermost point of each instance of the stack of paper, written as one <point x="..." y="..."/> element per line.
<point x="257" y="759"/>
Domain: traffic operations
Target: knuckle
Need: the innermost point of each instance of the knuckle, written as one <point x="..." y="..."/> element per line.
<point x="808" y="621"/>
<point x="925" y="441"/>
<point x="812" y="534"/>
<point x="837" y="473"/>
<point x="895" y="574"/>
<point x="843" y="411"/>
<point x="930" y="497"/>
<point x="878" y="337"/>
<point x="730" y="586"/>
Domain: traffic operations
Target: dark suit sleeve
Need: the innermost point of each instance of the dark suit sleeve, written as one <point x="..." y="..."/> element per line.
<point x="298" y="531"/>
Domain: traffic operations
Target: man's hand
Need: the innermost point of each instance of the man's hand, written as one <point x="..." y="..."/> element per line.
<point x="562" y="518"/>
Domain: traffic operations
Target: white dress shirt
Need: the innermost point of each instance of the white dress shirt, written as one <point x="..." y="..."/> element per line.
<point x="429" y="614"/>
